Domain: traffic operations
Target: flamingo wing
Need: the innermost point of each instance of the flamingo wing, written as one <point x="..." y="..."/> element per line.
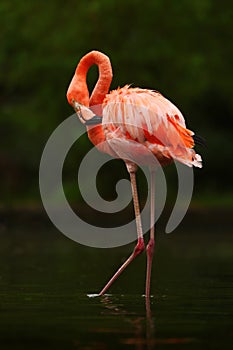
<point x="146" y="117"/>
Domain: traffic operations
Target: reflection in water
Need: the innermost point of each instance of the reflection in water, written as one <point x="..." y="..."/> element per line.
<point x="150" y="324"/>
<point x="142" y="327"/>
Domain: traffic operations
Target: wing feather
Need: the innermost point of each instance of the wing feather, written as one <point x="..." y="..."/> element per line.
<point x="145" y="116"/>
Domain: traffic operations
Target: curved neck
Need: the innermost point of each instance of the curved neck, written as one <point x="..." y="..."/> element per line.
<point x="78" y="89"/>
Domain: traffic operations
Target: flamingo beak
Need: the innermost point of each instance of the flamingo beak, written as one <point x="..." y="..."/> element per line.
<point x="80" y="110"/>
<point x="94" y="120"/>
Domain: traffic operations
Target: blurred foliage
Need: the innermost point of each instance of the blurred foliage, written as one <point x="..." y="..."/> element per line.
<point x="183" y="49"/>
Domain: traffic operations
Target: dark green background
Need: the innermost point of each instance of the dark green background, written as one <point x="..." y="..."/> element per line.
<point x="183" y="49"/>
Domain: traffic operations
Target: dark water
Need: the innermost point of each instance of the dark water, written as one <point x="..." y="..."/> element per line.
<point x="45" y="280"/>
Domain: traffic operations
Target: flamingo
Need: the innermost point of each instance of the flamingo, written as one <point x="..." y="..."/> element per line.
<point x="130" y="123"/>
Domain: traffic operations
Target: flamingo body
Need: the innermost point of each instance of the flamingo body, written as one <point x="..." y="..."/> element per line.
<point x="136" y="125"/>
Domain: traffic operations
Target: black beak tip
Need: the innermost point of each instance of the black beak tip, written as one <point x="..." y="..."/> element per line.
<point x="94" y="120"/>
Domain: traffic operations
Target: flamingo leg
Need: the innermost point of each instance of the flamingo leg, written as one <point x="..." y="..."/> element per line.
<point x="151" y="243"/>
<point x="132" y="168"/>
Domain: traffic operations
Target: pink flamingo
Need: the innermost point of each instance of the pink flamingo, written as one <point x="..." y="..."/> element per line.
<point x="131" y="123"/>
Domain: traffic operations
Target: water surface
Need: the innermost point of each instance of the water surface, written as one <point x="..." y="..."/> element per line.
<point x="47" y="280"/>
